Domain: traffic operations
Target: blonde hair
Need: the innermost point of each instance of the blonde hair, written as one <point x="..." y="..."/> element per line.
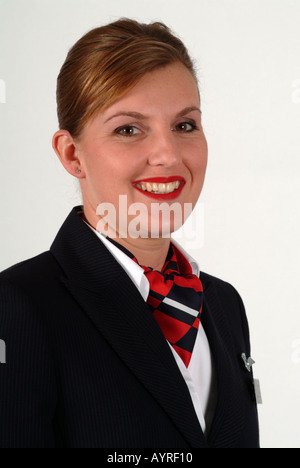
<point x="107" y="62"/>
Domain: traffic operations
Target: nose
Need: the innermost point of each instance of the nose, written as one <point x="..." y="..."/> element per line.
<point x="164" y="150"/>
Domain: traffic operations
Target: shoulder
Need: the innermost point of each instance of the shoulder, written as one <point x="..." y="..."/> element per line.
<point x="29" y="294"/>
<point x="31" y="277"/>
<point x="25" y="289"/>
<point x="222" y="288"/>
<point x="223" y="296"/>
<point x="38" y="267"/>
<point x="22" y="326"/>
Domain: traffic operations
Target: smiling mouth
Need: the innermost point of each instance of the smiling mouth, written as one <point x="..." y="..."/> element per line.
<point x="161" y="186"/>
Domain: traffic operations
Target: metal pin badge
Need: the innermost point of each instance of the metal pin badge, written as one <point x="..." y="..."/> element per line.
<point x="248" y="362"/>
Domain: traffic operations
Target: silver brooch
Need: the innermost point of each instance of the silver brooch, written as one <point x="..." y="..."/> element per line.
<point x="248" y="362"/>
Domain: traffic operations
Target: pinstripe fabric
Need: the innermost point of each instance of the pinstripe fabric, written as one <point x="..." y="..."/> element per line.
<point x="86" y="367"/>
<point x="27" y="379"/>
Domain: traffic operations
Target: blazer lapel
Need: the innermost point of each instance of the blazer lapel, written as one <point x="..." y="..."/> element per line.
<point x="110" y="299"/>
<point x="229" y="413"/>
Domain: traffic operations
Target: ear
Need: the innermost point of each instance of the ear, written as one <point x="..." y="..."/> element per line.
<point x="64" y="146"/>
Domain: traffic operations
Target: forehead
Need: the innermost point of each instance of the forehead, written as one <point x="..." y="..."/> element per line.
<point x="165" y="90"/>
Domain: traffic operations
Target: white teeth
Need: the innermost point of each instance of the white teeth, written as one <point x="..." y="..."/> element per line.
<point x="159" y="188"/>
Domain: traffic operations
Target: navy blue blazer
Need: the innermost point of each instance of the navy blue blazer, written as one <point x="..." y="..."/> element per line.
<point x="88" y="366"/>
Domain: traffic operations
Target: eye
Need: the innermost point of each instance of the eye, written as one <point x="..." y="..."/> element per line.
<point x="127" y="131"/>
<point x="186" y="127"/>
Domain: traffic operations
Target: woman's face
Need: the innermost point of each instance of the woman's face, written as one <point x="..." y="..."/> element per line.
<point x="148" y="146"/>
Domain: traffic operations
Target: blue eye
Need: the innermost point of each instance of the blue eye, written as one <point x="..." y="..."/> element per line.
<point x="127" y="131"/>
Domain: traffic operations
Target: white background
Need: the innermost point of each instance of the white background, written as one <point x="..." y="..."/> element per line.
<point x="248" y="56"/>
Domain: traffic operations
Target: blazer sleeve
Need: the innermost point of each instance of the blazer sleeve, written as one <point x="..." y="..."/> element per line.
<point x="27" y="378"/>
<point x="249" y="437"/>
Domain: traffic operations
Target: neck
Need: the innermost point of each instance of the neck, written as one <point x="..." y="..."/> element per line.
<point x="148" y="252"/>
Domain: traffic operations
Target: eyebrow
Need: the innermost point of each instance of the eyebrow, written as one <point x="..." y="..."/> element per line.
<point x="139" y="116"/>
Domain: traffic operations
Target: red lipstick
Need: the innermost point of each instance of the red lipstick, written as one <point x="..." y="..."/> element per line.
<point x="137" y="184"/>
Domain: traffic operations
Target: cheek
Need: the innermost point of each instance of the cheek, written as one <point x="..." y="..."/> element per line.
<point x="110" y="172"/>
<point x="198" y="164"/>
<point x="203" y="153"/>
<point x="103" y="168"/>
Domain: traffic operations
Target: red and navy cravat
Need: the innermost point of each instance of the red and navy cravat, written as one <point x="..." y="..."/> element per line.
<point x="175" y="298"/>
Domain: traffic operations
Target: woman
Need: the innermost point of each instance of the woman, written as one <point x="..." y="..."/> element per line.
<point x="113" y="337"/>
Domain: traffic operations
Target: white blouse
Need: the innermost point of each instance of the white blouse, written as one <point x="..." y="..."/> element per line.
<point x="199" y="376"/>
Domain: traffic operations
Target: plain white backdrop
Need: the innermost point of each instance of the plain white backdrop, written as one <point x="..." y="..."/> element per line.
<point x="248" y="58"/>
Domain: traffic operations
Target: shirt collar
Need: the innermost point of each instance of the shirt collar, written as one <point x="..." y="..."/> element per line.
<point x="134" y="271"/>
<point x="194" y="264"/>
